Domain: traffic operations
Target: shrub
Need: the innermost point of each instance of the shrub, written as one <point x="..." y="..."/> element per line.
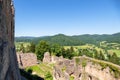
<point x="71" y="77"/>
<point x="48" y="76"/>
<point x="84" y="63"/>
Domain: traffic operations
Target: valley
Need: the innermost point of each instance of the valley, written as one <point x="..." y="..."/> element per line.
<point x="104" y="56"/>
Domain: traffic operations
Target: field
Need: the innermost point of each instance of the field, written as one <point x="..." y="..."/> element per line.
<point x="114" y="51"/>
<point x="90" y="46"/>
<point x="111" y="48"/>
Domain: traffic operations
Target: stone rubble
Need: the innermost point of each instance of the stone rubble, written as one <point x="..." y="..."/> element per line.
<point x="26" y="59"/>
<point x="77" y="68"/>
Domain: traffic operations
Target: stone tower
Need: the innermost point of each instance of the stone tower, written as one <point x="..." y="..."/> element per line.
<point x="8" y="61"/>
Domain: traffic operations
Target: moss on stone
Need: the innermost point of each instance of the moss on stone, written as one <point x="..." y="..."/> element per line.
<point x="77" y="60"/>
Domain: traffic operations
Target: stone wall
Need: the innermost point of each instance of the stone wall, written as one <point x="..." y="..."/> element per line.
<point x="84" y="68"/>
<point x="51" y="59"/>
<point x="8" y="61"/>
<point x="26" y="59"/>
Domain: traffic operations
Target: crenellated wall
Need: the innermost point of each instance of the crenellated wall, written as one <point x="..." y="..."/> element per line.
<point x="8" y="61"/>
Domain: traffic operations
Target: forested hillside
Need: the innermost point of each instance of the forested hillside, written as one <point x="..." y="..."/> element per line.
<point x="73" y="40"/>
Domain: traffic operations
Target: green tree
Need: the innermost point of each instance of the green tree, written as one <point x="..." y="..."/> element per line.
<point x="41" y="48"/>
<point x="80" y="53"/>
<point x="56" y="49"/>
<point x="63" y="51"/>
<point x="96" y="54"/>
<point x="115" y="59"/>
<point x="22" y="48"/>
<point x="27" y="48"/>
<point x="71" y="49"/>
<point x="106" y="55"/>
<point x="101" y="56"/>
<point x="68" y="54"/>
<point x="32" y="47"/>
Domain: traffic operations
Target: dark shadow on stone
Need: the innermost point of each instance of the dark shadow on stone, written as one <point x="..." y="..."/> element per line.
<point x="29" y="76"/>
<point x="90" y="77"/>
<point x="30" y="71"/>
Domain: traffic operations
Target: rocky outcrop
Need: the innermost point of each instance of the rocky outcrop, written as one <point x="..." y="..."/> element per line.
<point x="51" y="59"/>
<point x="55" y="59"/>
<point x="26" y="59"/>
<point x="8" y="61"/>
<point x="84" y="68"/>
<point x="47" y="57"/>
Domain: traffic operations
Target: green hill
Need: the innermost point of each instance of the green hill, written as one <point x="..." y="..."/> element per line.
<point x="73" y="40"/>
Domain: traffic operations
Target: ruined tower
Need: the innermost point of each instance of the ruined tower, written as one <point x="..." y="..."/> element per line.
<point x="8" y="61"/>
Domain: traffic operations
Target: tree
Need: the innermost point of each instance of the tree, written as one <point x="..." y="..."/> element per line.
<point x="56" y="50"/>
<point x="71" y="49"/>
<point x="80" y="53"/>
<point x="27" y="48"/>
<point x="96" y="54"/>
<point x="68" y="54"/>
<point x="32" y="47"/>
<point x="101" y="56"/>
<point x="115" y="59"/>
<point x="41" y="48"/>
<point x="22" y="48"/>
<point x="63" y="52"/>
<point x="106" y="54"/>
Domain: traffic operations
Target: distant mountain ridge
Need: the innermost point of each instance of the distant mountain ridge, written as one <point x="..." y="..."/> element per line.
<point x="73" y="40"/>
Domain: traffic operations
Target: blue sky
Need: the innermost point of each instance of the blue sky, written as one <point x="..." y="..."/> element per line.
<point x="70" y="17"/>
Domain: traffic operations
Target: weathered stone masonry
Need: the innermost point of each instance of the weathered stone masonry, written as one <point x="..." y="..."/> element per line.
<point x="8" y="61"/>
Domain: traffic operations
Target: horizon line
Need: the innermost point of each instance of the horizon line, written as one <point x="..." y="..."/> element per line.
<point x="69" y="35"/>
